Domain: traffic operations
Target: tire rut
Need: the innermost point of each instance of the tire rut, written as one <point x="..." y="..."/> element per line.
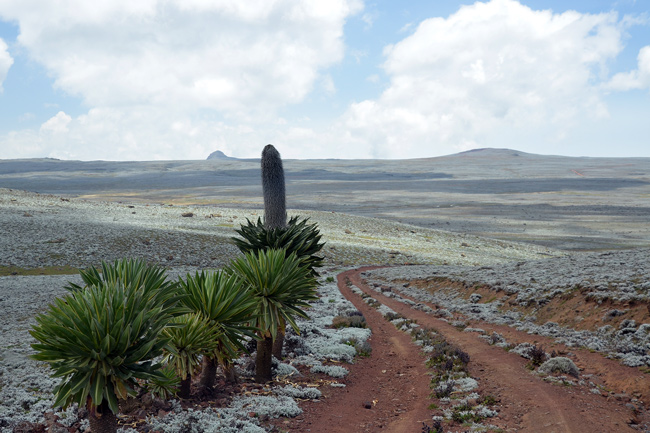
<point x="528" y="403"/>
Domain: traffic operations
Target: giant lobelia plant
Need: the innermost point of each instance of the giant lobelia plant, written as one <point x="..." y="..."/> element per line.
<point x="297" y="236"/>
<point x="102" y="339"/>
<point x="281" y="288"/>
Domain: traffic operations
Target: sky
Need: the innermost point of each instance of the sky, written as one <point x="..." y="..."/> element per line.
<point x="178" y="79"/>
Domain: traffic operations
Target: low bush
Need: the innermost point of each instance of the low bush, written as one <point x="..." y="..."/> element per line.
<point x="349" y="322"/>
<point x="561" y="365"/>
<point x="537" y="355"/>
<point x="435" y="428"/>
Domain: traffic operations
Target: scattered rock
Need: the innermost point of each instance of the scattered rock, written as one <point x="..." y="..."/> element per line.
<point x="28" y="427"/>
<point x="611" y="314"/>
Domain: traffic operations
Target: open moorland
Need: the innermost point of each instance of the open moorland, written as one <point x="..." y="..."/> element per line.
<point x="501" y="291"/>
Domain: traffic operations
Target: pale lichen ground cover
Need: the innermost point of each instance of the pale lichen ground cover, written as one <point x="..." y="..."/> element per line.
<point x="43" y="230"/>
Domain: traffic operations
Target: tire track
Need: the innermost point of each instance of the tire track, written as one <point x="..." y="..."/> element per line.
<point x="527" y="403"/>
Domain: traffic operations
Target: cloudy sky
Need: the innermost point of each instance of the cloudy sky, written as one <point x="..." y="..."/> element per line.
<point x="178" y="79"/>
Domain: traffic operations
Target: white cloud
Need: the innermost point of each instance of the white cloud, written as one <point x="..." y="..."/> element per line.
<point x="369" y="19"/>
<point x="489" y="71"/>
<point x="26" y="116"/>
<point x="234" y="57"/>
<point x="5" y="62"/>
<point x="178" y="79"/>
<point x="57" y="124"/>
<point x="127" y="133"/>
<point x="374" y="78"/>
<point x="328" y="85"/>
<point x="637" y="79"/>
<point x="174" y="78"/>
<point x="156" y="133"/>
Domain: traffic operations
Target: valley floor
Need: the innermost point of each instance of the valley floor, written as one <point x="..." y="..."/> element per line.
<point x="486" y="296"/>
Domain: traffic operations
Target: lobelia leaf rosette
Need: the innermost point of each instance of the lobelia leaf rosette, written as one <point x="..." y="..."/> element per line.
<point x="281" y="288"/>
<point x="102" y="339"/>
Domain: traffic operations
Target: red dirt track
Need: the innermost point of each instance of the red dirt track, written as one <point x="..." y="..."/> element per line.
<point x="394" y="383"/>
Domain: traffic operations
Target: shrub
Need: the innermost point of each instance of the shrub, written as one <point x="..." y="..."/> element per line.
<point x="560" y="364"/>
<point x="103" y="338"/>
<point x="349" y="322"/>
<point x="435" y="428"/>
<point x="190" y="337"/>
<point x="363" y="348"/>
<point x="280" y="288"/>
<point x="463" y="357"/>
<point x="445" y="389"/>
<point x="330" y="370"/>
<point x="537" y="355"/>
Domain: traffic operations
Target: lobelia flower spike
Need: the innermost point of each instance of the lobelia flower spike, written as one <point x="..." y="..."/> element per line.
<point x="273" y="189"/>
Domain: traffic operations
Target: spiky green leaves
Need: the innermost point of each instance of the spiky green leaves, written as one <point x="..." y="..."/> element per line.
<point x="133" y="273"/>
<point x="222" y="301"/>
<point x="279" y="285"/>
<point x="190" y="337"/>
<point x="297" y="237"/>
<point x="102" y="338"/>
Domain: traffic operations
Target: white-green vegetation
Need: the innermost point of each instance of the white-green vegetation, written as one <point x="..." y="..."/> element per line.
<point x="26" y="390"/>
<point x="330" y="370"/>
<point x="561" y="365"/>
<point x="620" y="276"/>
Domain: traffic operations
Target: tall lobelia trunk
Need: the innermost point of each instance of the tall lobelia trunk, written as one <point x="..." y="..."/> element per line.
<point x="279" y="340"/>
<point x="275" y="210"/>
<point x="102" y="419"/>
<point x="229" y="372"/>
<point x="185" y="387"/>
<point x="208" y="374"/>
<point x="263" y="362"/>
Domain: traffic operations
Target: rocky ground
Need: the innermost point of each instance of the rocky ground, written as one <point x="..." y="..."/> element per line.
<point x="585" y="307"/>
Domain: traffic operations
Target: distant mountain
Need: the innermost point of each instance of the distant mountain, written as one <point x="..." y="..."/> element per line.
<point x="217" y="154"/>
<point x="489" y="151"/>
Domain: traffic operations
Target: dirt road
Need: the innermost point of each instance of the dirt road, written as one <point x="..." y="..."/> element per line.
<point x="394" y="383"/>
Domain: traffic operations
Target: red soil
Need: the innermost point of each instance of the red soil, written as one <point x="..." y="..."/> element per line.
<point x="394" y="383"/>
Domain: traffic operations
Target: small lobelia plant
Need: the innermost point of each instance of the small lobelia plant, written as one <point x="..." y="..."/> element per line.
<point x="191" y="336"/>
<point x="224" y="303"/>
<point x="280" y="288"/>
<point x="102" y="339"/>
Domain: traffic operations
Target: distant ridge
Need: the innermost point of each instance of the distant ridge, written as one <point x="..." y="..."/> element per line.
<point x="490" y="151"/>
<point x="217" y="154"/>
